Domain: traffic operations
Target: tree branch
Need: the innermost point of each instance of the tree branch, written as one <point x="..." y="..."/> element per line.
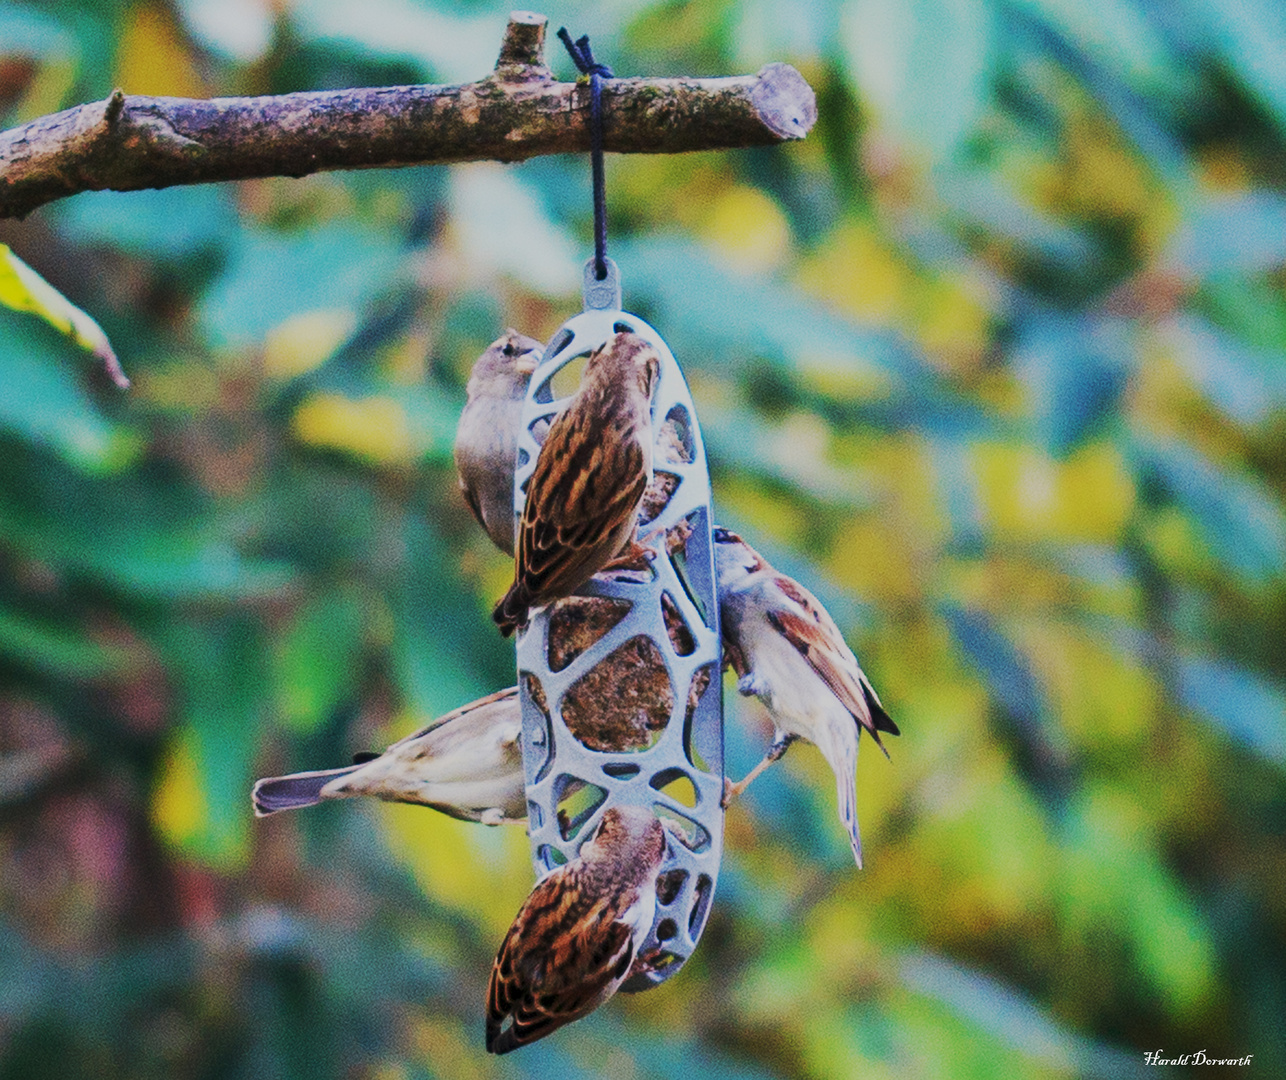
<point x="129" y="142"/>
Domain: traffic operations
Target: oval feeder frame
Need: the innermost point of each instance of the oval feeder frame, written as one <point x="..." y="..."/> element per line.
<point x="673" y="607"/>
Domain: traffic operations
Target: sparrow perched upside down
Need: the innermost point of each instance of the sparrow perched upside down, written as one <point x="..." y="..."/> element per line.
<point x="468" y="764"/>
<point x="788" y="652"/>
<point x="583" y="497"/>
<point x="486" y="441"/>
<point x="578" y="933"/>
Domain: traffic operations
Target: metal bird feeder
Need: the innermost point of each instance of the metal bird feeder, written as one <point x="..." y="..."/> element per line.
<point x="657" y="664"/>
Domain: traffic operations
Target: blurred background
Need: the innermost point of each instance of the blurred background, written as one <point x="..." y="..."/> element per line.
<point x="992" y="362"/>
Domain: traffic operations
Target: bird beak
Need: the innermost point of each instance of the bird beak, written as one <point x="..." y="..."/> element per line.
<point x="527" y="362"/>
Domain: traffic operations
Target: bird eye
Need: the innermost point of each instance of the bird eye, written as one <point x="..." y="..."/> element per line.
<point x="721" y="535"/>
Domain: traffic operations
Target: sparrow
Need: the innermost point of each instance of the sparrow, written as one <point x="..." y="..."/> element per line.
<point x="577" y="934"/>
<point x="583" y="497"/>
<point x="486" y="441"/>
<point x="468" y="764"/>
<point x="788" y="652"/>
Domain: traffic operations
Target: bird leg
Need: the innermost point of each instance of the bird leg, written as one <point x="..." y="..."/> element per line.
<point x="780" y="745"/>
<point x="636" y="556"/>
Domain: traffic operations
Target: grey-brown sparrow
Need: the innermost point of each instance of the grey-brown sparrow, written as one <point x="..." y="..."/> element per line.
<point x="576" y="936"/>
<point x="583" y="497"/>
<point x="788" y="652"/>
<point x="468" y="764"/>
<point x="486" y="439"/>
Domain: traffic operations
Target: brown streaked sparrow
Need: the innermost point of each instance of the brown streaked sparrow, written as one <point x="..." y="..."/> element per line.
<point x="486" y="441"/>
<point x="788" y="652"/>
<point x="468" y="764"/>
<point x="576" y="937"/>
<point x="584" y="494"/>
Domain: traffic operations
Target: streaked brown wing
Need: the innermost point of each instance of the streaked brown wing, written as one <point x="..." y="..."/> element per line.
<point x="456" y="714"/>
<point x="585" y="494"/>
<point x="471" y="497"/>
<point x="557" y="960"/>
<point x="816" y="641"/>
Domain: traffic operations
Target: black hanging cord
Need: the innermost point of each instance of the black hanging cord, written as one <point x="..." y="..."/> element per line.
<point x="584" y="60"/>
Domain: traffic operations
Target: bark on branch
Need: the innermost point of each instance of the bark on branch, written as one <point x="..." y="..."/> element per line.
<point x="519" y="111"/>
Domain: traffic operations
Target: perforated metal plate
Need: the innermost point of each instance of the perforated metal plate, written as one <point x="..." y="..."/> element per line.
<point x="678" y="774"/>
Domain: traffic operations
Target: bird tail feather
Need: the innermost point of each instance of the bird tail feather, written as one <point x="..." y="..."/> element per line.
<point x="291" y="792"/>
<point x="846" y="793"/>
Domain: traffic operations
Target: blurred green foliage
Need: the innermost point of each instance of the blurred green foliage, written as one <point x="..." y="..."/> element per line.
<point x="993" y="361"/>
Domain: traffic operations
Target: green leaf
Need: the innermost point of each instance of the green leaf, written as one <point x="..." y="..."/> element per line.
<point x="316" y="660"/>
<point x="202" y="803"/>
<point x="44" y="404"/>
<point x="56" y="650"/>
<point x="22" y="289"/>
<point x="274" y="276"/>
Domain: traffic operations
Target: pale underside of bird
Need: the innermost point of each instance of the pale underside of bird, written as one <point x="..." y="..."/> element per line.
<point x="486" y="439"/>
<point x="576" y="938"/>
<point x="468" y="764"/>
<point x="583" y="498"/>
<point x="788" y="652"/>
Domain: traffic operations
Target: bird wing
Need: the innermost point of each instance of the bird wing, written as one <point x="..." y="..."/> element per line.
<point x="557" y="962"/>
<point x="819" y="641"/>
<point x="456" y="714"/>
<point x="471" y="497"/>
<point x="585" y="488"/>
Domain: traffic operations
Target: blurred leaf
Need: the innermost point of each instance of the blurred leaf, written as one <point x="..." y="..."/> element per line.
<point x="925" y="65"/>
<point x="1245" y="233"/>
<point x="1113" y="858"/>
<point x="388" y="429"/>
<point x="22" y="289"/>
<point x="272" y="277"/>
<point x="57" y="650"/>
<point x="170" y="223"/>
<point x="1012" y="1017"/>
<point x="202" y="801"/>
<point x="1240" y="520"/>
<point x="1251" y="37"/>
<point x="45" y="405"/>
<point x="1247" y="384"/>
<point x="1244" y="705"/>
<point x="983" y="201"/>
<point x="302" y="342"/>
<point x="315" y="660"/>
<point x="1074" y="370"/>
<point x="152" y="56"/>
<point x="1009" y="678"/>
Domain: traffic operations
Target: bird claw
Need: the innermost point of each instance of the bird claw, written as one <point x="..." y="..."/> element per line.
<point x="750" y="685"/>
<point x="732" y="791"/>
<point x="636" y="557"/>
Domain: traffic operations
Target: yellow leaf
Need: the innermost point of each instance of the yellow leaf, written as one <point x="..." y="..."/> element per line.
<point x="152" y="58"/>
<point x="22" y="289"/>
<point x="484" y="872"/>
<point x="179" y="806"/>
<point x="304" y="341"/>
<point x="860" y="274"/>
<point x="1030" y="496"/>
<point x="748" y="228"/>
<point x="374" y="428"/>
